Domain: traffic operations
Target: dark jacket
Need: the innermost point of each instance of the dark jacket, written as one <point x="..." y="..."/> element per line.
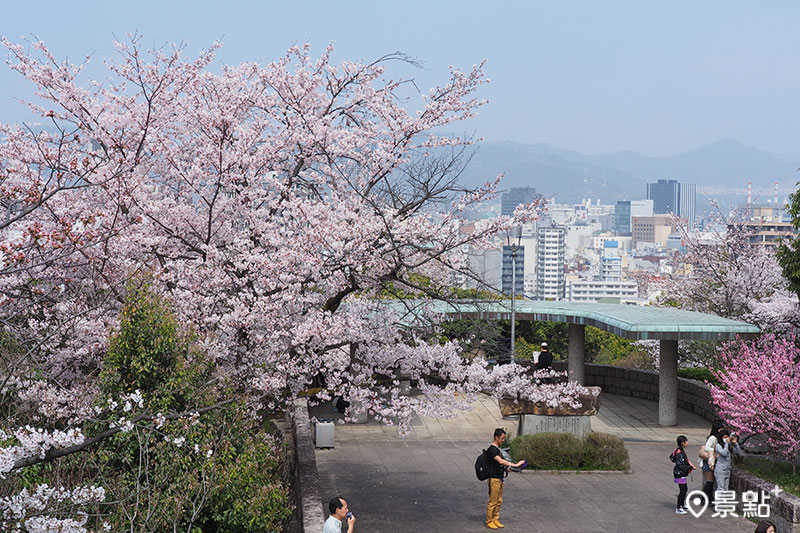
<point x="682" y="465"/>
<point x="545" y="360"/>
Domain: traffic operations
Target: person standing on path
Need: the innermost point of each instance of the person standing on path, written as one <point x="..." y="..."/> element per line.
<point x="497" y="474"/>
<point x="339" y="513"/>
<point x="722" y="470"/>
<point x="681" y="469"/>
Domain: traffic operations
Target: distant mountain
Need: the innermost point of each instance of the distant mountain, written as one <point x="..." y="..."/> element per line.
<point x="571" y="176"/>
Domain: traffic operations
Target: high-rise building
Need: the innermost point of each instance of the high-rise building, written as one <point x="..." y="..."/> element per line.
<point x="509" y="202"/>
<point x="550" y="263"/>
<point x="622" y="217"/>
<point x="517" y="262"/>
<point x="672" y="197"/>
<point x="516" y="196"/>
<point x="664" y="194"/>
<point x="686" y="200"/>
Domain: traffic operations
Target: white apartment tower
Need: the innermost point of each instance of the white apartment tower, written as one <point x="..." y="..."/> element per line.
<point x="611" y="262"/>
<point x="550" y="263"/>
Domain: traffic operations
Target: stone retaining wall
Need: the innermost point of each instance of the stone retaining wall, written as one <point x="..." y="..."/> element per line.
<point x="693" y="395"/>
<point x="307" y="492"/>
<point x="784" y="507"/>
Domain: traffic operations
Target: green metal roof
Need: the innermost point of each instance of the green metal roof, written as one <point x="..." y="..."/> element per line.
<point x="629" y="321"/>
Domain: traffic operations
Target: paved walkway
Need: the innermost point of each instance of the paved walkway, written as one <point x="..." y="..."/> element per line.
<point x="426" y="481"/>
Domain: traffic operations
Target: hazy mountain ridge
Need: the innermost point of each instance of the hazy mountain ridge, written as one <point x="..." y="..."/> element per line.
<point x="571" y="176"/>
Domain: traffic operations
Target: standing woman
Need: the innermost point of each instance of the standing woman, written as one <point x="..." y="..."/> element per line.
<point x="709" y="456"/>
<point x="726" y="445"/>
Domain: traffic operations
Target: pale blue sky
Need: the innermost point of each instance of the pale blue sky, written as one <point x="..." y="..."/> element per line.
<point x="593" y="76"/>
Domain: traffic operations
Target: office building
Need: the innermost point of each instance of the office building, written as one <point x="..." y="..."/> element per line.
<point x="513" y="257"/>
<point x="508" y="203"/>
<point x="624" y="212"/>
<point x="516" y="196"/>
<point x="672" y="197"/>
<point x="686" y="202"/>
<point x="653" y="230"/>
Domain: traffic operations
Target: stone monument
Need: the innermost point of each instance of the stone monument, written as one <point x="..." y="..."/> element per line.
<point x="537" y="418"/>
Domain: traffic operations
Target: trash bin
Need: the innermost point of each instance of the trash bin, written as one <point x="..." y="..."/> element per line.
<point x="323" y="433"/>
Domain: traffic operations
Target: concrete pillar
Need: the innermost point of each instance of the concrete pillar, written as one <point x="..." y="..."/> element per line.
<point x="576" y="353"/>
<point x="668" y="384"/>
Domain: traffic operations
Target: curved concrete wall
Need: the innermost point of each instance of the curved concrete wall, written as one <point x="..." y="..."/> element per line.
<point x="693" y="395"/>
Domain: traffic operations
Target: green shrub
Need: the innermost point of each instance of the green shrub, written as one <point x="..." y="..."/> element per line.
<point x="698" y="373"/>
<point x="605" y="452"/>
<point x="563" y="451"/>
<point x="250" y="496"/>
<point x="224" y="475"/>
<point x="523" y="350"/>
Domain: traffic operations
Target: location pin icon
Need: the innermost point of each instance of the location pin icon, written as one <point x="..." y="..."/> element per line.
<point x="697" y="502"/>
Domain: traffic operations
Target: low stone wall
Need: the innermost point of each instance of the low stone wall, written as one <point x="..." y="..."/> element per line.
<point x="307" y="492"/>
<point x="784" y="507"/>
<point x="693" y="395"/>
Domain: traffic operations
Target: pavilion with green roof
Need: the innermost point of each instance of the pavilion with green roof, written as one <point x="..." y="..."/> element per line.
<point x="665" y="324"/>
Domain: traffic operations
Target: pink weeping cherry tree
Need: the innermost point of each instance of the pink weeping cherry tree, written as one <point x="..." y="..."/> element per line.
<point x="759" y="392"/>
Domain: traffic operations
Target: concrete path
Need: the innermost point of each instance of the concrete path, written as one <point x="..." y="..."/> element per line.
<point x="426" y="481"/>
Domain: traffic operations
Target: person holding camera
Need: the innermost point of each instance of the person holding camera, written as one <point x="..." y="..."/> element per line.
<point x="722" y="471"/>
<point x="497" y="474"/>
<point x="339" y="513"/>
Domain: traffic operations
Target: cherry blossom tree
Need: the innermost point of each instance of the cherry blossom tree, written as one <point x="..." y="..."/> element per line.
<point x="759" y="392"/>
<point x="726" y="274"/>
<point x="270" y="205"/>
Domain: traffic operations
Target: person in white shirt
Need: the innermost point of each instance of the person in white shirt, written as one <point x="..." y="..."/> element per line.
<point x="339" y="513"/>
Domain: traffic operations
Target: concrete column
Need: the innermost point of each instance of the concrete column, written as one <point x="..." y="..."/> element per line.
<point x="576" y="353"/>
<point x="668" y="384"/>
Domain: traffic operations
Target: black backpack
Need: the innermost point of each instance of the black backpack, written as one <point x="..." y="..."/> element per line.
<point x="482" y="465"/>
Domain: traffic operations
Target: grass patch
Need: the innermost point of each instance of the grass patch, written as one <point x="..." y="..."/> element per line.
<point x="778" y="472"/>
<point x="563" y="451"/>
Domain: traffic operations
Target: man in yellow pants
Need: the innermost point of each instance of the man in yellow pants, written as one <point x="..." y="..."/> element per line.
<point x="497" y="473"/>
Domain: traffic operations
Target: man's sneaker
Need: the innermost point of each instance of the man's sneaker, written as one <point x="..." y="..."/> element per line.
<point x="680" y="510"/>
<point x="685" y="508"/>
